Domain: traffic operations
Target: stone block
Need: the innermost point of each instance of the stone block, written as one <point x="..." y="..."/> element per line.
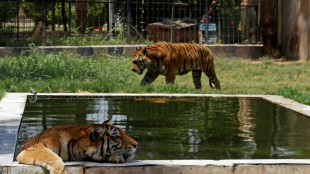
<point x="248" y="169"/>
<point x="286" y="169"/>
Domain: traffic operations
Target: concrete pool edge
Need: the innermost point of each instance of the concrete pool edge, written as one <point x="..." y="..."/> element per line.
<point x="12" y="107"/>
<point x="281" y="166"/>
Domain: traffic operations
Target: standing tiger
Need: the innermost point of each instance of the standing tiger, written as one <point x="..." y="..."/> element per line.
<point x="174" y="59"/>
<point x="97" y="142"/>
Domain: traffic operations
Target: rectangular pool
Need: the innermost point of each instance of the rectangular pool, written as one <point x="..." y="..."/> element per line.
<point x="169" y="128"/>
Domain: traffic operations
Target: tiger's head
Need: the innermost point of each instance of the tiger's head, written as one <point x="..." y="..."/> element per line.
<point x="116" y="146"/>
<point x="140" y="61"/>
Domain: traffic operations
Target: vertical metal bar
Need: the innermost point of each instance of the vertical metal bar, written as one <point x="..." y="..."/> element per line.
<point x="121" y="20"/>
<point x="107" y="18"/>
<point x="111" y="18"/>
<point x="70" y="16"/>
<point x="17" y="19"/>
<point x="279" y="19"/>
<point x="53" y="15"/>
<point x="63" y="10"/>
<point x="171" y="23"/>
<point x="128" y="21"/>
<point x="158" y="19"/>
<point x="206" y="21"/>
<point x="43" y="23"/>
<point x="136" y="17"/>
<point x="219" y="25"/>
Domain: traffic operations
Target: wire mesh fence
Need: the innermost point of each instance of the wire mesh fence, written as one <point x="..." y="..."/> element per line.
<point x="102" y="22"/>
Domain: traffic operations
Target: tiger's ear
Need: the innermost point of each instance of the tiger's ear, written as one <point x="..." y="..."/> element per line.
<point x="109" y="121"/>
<point x="137" y="48"/>
<point x="96" y="133"/>
<point x="144" y="51"/>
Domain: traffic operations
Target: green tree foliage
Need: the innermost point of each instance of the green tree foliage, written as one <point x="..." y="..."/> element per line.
<point x="8" y="11"/>
<point x="34" y="10"/>
<point x="97" y="13"/>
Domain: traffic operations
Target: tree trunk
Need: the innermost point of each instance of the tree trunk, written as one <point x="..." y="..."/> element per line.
<point x="268" y="27"/>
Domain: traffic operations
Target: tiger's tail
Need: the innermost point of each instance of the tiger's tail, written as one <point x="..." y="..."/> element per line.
<point x="210" y="72"/>
<point x="217" y="84"/>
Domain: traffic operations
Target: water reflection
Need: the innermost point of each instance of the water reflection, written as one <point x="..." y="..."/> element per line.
<point x="184" y="128"/>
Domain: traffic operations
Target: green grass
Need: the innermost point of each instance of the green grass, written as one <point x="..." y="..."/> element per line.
<point x="75" y="38"/>
<point x="66" y="72"/>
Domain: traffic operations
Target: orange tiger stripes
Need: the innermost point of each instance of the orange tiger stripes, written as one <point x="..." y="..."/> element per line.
<point x="97" y="142"/>
<point x="168" y="59"/>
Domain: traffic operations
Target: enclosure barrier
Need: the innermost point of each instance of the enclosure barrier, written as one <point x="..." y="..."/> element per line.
<point x="102" y="22"/>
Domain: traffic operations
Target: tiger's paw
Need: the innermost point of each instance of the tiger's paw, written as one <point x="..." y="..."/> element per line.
<point x="56" y="170"/>
<point x="59" y="172"/>
<point x="116" y="159"/>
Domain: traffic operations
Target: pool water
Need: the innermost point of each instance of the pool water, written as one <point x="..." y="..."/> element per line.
<point x="183" y="128"/>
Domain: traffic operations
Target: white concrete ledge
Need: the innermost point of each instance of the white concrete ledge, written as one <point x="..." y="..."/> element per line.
<point x="11" y="109"/>
<point x="178" y="166"/>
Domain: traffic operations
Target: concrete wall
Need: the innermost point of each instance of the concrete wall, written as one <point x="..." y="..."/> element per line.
<point x="244" y="51"/>
<point x="176" y="166"/>
<point x="295" y="28"/>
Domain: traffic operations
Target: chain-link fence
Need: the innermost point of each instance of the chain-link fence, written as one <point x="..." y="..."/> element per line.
<point x="102" y="22"/>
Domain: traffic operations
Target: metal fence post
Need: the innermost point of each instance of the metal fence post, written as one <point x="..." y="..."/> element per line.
<point x="111" y="18"/>
<point x="171" y="23"/>
<point x="63" y="11"/>
<point x="128" y="21"/>
<point x="17" y="19"/>
<point x="70" y="16"/>
<point x="53" y="15"/>
<point x="44" y="23"/>
<point x="206" y="21"/>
